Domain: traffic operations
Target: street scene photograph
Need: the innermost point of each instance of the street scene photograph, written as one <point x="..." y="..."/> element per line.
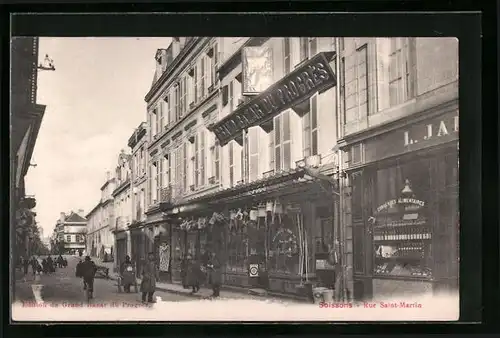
<point x="234" y="179"/>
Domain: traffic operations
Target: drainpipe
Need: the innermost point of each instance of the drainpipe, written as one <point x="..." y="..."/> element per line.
<point x="340" y="213"/>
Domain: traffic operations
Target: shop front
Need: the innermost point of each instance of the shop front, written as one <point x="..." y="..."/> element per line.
<point x="404" y="208"/>
<point x="121" y="247"/>
<point x="137" y="244"/>
<point x="266" y="233"/>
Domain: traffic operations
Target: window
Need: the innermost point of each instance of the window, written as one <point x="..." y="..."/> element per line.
<point x="153" y="123"/>
<point x="178" y="167"/>
<point x="196" y="163"/>
<point x="185" y="167"/>
<point x="159" y="180"/>
<point x="231" y="96"/>
<point x="160" y="117"/>
<point x="237" y="250"/>
<point x="400" y="88"/>
<point x="68" y="238"/>
<point x="310" y="129"/>
<point x="253" y="146"/>
<point x="271" y="150"/>
<point x="313" y="46"/>
<point x="178" y="103"/>
<point x="284" y="246"/>
<point x="195" y="81"/>
<point x="183" y="96"/>
<point x="172" y="106"/>
<point x="282" y="142"/>
<point x="287" y="55"/>
<point x="231" y="163"/>
<point x="169" y="169"/>
<point x="214" y="62"/>
<point x="216" y="161"/>
<point x="202" y="157"/>
<point x="203" y="87"/>
<point x="150" y="185"/>
<point x="166" y="113"/>
<point x="304" y="50"/>
<point x="243" y="159"/>
<point x="357" y="98"/>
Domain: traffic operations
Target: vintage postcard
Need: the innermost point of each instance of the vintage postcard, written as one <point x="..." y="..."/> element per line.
<point x="235" y="179"/>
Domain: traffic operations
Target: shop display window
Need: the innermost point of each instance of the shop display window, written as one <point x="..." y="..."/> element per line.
<point x="237" y="251"/>
<point x="284" y="253"/>
<point x="401" y="227"/>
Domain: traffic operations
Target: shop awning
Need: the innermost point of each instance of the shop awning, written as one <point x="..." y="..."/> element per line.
<point x="293" y="181"/>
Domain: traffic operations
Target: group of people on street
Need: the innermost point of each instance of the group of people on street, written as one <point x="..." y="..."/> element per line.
<point x="193" y="276"/>
<point x="196" y="272"/>
<point x="46" y="266"/>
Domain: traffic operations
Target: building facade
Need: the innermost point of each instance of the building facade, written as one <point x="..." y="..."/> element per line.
<point x="138" y="145"/>
<point x="122" y="202"/>
<point x="400" y="137"/>
<point x="25" y="118"/>
<point x="100" y="239"/>
<point x="70" y="231"/>
<point x="240" y="192"/>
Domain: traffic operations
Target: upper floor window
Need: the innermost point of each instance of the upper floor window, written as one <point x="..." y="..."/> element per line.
<point x="287" y="55"/>
<point x="178" y="103"/>
<point x="214" y="62"/>
<point x="282" y="142"/>
<point x="184" y="166"/>
<point x="356" y="90"/>
<point x="169" y="169"/>
<point x="253" y="153"/>
<point x="68" y="238"/>
<point x="400" y="87"/>
<point x="183" y="98"/>
<point x="310" y="129"/>
<point x="178" y="166"/>
<point x="303" y="48"/>
<point x="166" y="114"/>
<point x="216" y="161"/>
<point x="231" y="163"/>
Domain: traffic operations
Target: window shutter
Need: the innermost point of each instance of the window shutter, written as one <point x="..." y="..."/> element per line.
<point x="225" y="95"/>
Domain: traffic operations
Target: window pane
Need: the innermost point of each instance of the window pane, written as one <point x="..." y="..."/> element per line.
<point x="277" y="130"/>
<point x="254" y="167"/>
<point x="314" y="138"/>
<point x="286" y="126"/>
<point x="314" y="113"/>
<point x="277" y="158"/>
<point x="287" y="156"/>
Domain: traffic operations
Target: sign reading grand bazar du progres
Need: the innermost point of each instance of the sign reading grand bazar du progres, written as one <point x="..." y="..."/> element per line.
<point x="312" y="76"/>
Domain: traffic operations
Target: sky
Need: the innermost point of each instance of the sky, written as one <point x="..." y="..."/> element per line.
<point x="95" y="100"/>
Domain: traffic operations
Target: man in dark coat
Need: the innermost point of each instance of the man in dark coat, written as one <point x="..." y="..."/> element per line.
<point x="194" y="274"/>
<point x="215" y="277"/>
<point x="50" y="265"/>
<point x="127" y="274"/>
<point x="25" y="264"/>
<point x="88" y="270"/>
<point x="149" y="277"/>
<point x="184" y="270"/>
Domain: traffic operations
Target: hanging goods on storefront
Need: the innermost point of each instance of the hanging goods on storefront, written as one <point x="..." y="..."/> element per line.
<point x="164" y="253"/>
<point x="261" y="211"/>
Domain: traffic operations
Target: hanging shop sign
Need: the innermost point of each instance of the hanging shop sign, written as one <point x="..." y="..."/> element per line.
<point x="314" y="75"/>
<point x="164" y="253"/>
<point x="426" y="134"/>
<point x="257" y="69"/>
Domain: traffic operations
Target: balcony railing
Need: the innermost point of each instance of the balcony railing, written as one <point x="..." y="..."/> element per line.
<point x="268" y="174"/>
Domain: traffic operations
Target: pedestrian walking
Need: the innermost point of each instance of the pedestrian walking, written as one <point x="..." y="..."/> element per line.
<point x="87" y="271"/>
<point x="127" y="274"/>
<point x="194" y="274"/>
<point x="184" y="269"/>
<point x="45" y="267"/>
<point x="25" y="265"/>
<point x="50" y="265"/>
<point x="215" y="277"/>
<point x="34" y="265"/>
<point x="149" y="277"/>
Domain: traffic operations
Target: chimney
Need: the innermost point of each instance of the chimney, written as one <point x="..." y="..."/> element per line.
<point x="62" y="217"/>
<point x="108" y="175"/>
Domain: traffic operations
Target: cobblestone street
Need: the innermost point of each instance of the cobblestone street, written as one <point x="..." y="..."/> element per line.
<point x="63" y="286"/>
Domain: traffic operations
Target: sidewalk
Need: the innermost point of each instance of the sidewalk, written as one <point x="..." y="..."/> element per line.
<point x="225" y="292"/>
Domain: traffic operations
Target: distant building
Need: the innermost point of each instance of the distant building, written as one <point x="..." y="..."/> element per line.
<point x="122" y="204"/>
<point x="70" y="231"/>
<point x="100" y="239"/>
